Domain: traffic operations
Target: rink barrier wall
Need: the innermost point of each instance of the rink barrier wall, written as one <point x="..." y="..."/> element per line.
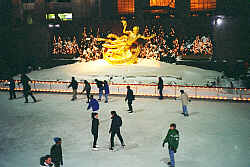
<point x="172" y="91"/>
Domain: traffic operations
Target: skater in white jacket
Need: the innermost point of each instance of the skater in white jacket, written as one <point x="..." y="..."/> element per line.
<point x="184" y="100"/>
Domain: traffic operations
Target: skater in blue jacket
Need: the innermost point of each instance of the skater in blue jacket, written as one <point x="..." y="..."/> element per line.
<point x="106" y="91"/>
<point x="93" y="104"/>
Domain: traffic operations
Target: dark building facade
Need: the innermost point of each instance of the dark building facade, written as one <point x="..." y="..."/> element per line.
<point x="225" y="20"/>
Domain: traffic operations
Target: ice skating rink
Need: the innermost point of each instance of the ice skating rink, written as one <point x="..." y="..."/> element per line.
<point x="215" y="135"/>
<point x="146" y="71"/>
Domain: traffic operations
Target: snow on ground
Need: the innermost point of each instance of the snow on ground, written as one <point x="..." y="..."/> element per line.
<point x="216" y="134"/>
<point x="143" y="72"/>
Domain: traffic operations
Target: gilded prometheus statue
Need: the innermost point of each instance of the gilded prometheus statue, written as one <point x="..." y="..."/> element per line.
<point x="124" y="49"/>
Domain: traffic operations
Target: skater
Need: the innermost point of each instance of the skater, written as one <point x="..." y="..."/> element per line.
<point x="26" y="88"/>
<point x="99" y="85"/>
<point x="130" y="97"/>
<point x="94" y="129"/>
<point x="87" y="88"/>
<point x="12" y="86"/>
<point x="93" y="104"/>
<point x="115" y="129"/>
<point x="160" y="87"/>
<point x="172" y="139"/>
<point x="106" y="91"/>
<point x="184" y="100"/>
<point x="56" y="152"/>
<point x="74" y="86"/>
<point x="46" y="161"/>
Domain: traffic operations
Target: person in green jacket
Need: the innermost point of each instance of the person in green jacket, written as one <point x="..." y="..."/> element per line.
<point x="172" y="139"/>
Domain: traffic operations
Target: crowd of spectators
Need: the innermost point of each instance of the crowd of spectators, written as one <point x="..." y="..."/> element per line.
<point x="166" y="46"/>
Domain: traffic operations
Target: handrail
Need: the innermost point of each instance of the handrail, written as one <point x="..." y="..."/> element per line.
<point x="196" y="92"/>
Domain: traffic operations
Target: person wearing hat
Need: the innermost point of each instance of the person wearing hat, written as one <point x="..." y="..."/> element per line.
<point x="172" y="139"/>
<point x="115" y="129"/>
<point x="56" y="152"/>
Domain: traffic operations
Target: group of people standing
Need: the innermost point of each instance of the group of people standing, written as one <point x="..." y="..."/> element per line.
<point x="101" y="85"/>
<point x="94" y="105"/>
<point x="114" y="129"/>
<point x="103" y="89"/>
<point x="26" y="88"/>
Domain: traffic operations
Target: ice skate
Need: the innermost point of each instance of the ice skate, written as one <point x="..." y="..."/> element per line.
<point x="95" y="149"/>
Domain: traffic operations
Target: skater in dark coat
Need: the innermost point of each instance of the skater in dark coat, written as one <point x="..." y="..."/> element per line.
<point x="172" y="139"/>
<point x="56" y="152"/>
<point x="100" y="87"/>
<point x="26" y="87"/>
<point x="115" y="129"/>
<point x="130" y="97"/>
<point x="74" y="86"/>
<point x="94" y="129"/>
<point x="93" y="104"/>
<point x="106" y="91"/>
<point x="160" y="87"/>
<point x="87" y="88"/>
<point x="12" y="86"/>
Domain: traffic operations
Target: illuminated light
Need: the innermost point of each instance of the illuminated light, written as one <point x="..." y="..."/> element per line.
<point x="219" y="21"/>
<point x="120" y="50"/>
<point x="57" y="25"/>
<point x="170" y="3"/>
<point x="65" y="16"/>
<point x="51" y="25"/>
<point x="199" y="5"/>
<point x="125" y="6"/>
<point x="50" y="16"/>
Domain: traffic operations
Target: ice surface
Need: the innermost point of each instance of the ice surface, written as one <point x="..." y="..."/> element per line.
<point x="146" y="71"/>
<point x="215" y="135"/>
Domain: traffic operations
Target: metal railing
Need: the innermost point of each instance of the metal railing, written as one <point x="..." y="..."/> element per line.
<point x="196" y="92"/>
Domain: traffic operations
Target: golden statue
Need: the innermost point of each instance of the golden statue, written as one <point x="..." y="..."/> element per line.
<point x="124" y="49"/>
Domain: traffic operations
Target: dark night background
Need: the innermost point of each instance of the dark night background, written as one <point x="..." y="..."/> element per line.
<point x="24" y="44"/>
